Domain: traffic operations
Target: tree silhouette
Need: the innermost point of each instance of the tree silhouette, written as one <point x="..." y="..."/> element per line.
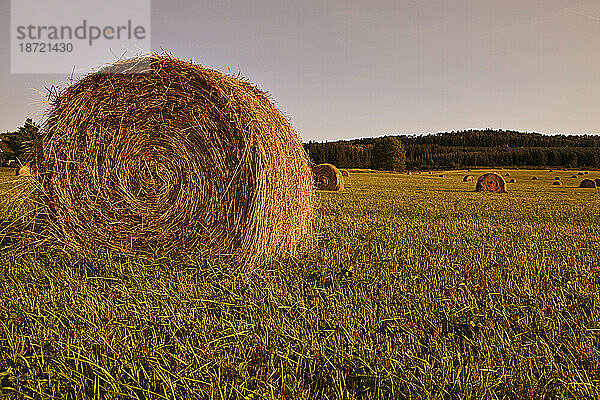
<point x="388" y="154"/>
<point x="25" y="142"/>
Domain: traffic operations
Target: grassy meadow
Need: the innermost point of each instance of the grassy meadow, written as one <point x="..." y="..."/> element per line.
<point x="417" y="287"/>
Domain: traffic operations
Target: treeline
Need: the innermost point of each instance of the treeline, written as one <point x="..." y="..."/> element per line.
<point x="472" y="148"/>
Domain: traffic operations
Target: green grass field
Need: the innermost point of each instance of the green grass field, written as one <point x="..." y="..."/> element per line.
<point x="417" y="287"/>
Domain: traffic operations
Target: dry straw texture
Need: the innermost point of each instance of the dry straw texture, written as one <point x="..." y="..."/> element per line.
<point x="176" y="159"/>
<point x="328" y="177"/>
<point x="587" y="183"/>
<point x="491" y="183"/>
<point x="23" y="170"/>
<point x="468" y="178"/>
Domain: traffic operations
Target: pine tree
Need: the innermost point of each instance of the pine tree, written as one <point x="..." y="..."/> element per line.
<point x="388" y="154"/>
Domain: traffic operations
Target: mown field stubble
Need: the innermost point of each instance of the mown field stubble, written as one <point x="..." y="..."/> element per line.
<point x="418" y="287"/>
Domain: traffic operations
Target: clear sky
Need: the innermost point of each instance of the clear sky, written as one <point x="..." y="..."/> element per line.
<point x="346" y="69"/>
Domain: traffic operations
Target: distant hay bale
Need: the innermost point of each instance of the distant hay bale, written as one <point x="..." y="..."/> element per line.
<point x="580" y="173"/>
<point x="507" y="174"/>
<point x="468" y="178"/>
<point x="430" y="173"/>
<point x="557" y="183"/>
<point x="550" y="170"/>
<point x="408" y="173"/>
<point x="491" y="183"/>
<point x="512" y="180"/>
<point x="587" y="183"/>
<point x="441" y="175"/>
<point x="534" y="178"/>
<point x="328" y="177"/>
<point x="573" y="176"/>
<point x="23" y="170"/>
<point x="175" y="159"/>
<point x="557" y="178"/>
<point x="345" y="172"/>
<point x="586" y="172"/>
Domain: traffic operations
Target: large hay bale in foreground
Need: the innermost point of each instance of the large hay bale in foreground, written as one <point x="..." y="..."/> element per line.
<point x="23" y="170"/>
<point x="468" y="178"/>
<point x="588" y="183"/>
<point x="328" y="177"/>
<point x="491" y="183"/>
<point x="175" y="159"/>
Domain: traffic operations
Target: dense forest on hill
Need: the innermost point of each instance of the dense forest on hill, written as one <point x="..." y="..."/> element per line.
<point x="471" y="148"/>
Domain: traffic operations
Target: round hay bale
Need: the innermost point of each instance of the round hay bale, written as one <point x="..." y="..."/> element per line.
<point x="557" y="183"/>
<point x="586" y="172"/>
<point x="534" y="178"/>
<point x="408" y="173"/>
<point x="573" y="176"/>
<point x="174" y="159"/>
<point x="468" y="178"/>
<point x="557" y="178"/>
<point x="328" y="177"/>
<point x="345" y="172"/>
<point x="491" y="183"/>
<point x="430" y="173"/>
<point x="507" y="174"/>
<point x="23" y="170"/>
<point x="587" y="183"/>
<point x="512" y="180"/>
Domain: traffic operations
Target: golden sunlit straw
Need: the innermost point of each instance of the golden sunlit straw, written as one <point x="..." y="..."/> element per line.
<point x="174" y="160"/>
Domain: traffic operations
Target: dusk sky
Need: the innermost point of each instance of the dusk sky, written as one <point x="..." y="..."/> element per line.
<point x="347" y="69"/>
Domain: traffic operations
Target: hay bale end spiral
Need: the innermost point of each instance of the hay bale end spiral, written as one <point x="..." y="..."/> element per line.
<point x="158" y="155"/>
<point x="328" y="177"/>
<point x="588" y="183"/>
<point x="491" y="183"/>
